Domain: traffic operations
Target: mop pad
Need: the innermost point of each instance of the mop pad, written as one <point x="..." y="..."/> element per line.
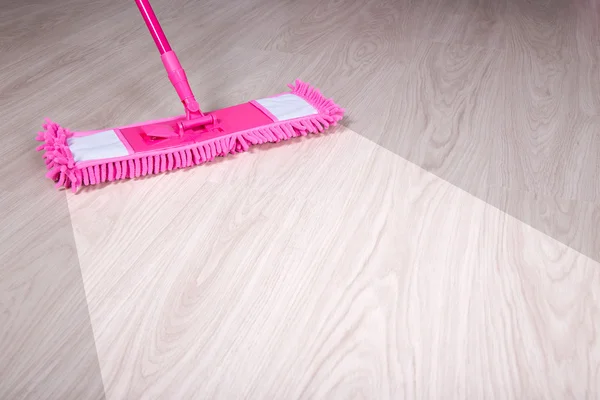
<point x="76" y="159"/>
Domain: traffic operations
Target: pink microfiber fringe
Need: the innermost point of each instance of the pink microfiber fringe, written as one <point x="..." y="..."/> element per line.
<point x="59" y="160"/>
<point x="67" y="174"/>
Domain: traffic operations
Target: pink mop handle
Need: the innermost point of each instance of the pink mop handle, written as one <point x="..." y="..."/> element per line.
<point x="176" y="73"/>
<point x="153" y="26"/>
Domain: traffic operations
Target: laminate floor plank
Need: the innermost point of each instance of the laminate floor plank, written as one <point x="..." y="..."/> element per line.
<point x="439" y="244"/>
<point x="47" y="347"/>
<point x="570" y="221"/>
<point x="331" y="268"/>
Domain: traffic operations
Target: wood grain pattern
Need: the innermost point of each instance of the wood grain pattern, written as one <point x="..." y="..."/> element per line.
<point x="515" y="80"/>
<point x="47" y="347"/>
<point x="329" y="269"/>
<point x="326" y="268"/>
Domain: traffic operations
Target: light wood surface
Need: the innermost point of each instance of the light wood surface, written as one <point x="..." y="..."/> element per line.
<point x="329" y="269"/>
<point x="47" y="347"/>
<point x="443" y="244"/>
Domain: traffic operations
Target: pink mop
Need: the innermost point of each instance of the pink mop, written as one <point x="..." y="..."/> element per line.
<point x="76" y="159"/>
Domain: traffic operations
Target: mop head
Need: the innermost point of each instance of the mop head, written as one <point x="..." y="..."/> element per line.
<point x="76" y="159"/>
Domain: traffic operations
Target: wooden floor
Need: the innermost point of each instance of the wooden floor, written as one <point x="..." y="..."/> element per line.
<point x="442" y="244"/>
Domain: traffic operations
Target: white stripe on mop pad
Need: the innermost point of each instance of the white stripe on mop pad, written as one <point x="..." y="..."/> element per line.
<point x="97" y="146"/>
<point x="287" y="106"/>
